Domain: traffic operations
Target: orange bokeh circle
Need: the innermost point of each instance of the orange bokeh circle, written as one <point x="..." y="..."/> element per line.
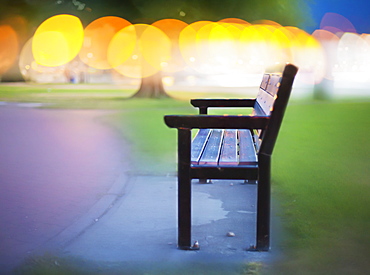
<point x="8" y="47"/>
<point x="98" y="35"/>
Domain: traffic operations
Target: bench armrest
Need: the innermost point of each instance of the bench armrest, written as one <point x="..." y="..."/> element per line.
<point x="216" y="122"/>
<point x="204" y="104"/>
<point x="223" y="102"/>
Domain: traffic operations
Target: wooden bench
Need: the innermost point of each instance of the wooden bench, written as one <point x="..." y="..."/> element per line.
<point x="232" y="147"/>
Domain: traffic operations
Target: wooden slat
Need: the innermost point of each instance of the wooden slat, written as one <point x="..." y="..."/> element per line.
<point x="247" y="152"/>
<point x="265" y="81"/>
<point x="256" y="139"/>
<point x="229" y="152"/>
<point x="265" y="101"/>
<point x="198" y="144"/>
<point x="257" y="110"/>
<point x="266" y="97"/>
<point x="274" y="84"/>
<point x="212" y="150"/>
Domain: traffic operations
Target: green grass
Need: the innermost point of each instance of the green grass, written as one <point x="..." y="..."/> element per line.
<point x="65" y="96"/>
<point x="320" y="170"/>
<point x="321" y="179"/>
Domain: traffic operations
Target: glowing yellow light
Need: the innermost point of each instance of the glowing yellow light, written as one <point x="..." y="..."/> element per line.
<point x="8" y="47"/>
<point x="147" y="46"/>
<point x="57" y="40"/>
<point x="255" y="48"/>
<point x="188" y="42"/>
<point x="203" y="42"/>
<point x="172" y="28"/>
<point x="256" y="33"/>
<point x="235" y="21"/>
<point x="234" y="29"/>
<point x="98" y="35"/>
<point x="223" y="44"/>
<point x="210" y="47"/>
<point x="122" y="46"/>
<point x="282" y="38"/>
<point x="267" y="23"/>
<point x="32" y="71"/>
<point x="220" y="33"/>
<point x="168" y="80"/>
<point x="155" y="45"/>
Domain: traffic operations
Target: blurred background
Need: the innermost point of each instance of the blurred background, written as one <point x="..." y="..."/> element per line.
<point x="187" y="44"/>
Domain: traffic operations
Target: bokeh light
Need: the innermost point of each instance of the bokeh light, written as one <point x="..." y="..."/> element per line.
<point x="222" y="52"/>
<point x="336" y="23"/>
<point x="34" y="72"/>
<point x="8" y="47"/>
<point x="98" y="35"/>
<point x="353" y="58"/>
<point x="235" y="21"/>
<point x="217" y="53"/>
<point x="307" y="53"/>
<point x="26" y="61"/>
<point x="172" y="28"/>
<point x="188" y="42"/>
<point x="145" y="49"/>
<point x="255" y="50"/>
<point x="57" y="40"/>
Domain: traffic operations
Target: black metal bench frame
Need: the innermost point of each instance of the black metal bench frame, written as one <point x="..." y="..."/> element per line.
<point x="264" y="124"/>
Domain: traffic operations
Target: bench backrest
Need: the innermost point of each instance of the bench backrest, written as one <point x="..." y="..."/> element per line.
<point x="272" y="100"/>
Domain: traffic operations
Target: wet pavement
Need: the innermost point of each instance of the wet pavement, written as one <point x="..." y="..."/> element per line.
<point x="67" y="189"/>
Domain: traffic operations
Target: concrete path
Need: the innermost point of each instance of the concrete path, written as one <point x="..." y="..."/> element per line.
<point x="55" y="165"/>
<point x="67" y="190"/>
<point x="140" y="230"/>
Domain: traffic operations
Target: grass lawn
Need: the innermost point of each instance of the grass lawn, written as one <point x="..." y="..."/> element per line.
<point x="321" y="178"/>
<point x="320" y="173"/>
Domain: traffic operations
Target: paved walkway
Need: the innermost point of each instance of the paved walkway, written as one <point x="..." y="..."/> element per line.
<point x="54" y="166"/>
<point x="67" y="191"/>
<point x="141" y="227"/>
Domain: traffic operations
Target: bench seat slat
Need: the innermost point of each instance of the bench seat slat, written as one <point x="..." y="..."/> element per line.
<point x="247" y="151"/>
<point x="212" y="150"/>
<point x="229" y="153"/>
<point x="198" y="144"/>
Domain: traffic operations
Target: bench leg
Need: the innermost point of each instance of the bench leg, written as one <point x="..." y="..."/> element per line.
<point x="263" y="204"/>
<point x="184" y="191"/>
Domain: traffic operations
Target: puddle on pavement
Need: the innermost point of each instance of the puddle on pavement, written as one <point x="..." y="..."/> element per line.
<point x="211" y="208"/>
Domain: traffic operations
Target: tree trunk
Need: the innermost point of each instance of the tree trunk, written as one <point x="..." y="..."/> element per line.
<point x="151" y="87"/>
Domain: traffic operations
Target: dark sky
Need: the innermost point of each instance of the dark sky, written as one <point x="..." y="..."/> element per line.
<point x="356" y="11"/>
